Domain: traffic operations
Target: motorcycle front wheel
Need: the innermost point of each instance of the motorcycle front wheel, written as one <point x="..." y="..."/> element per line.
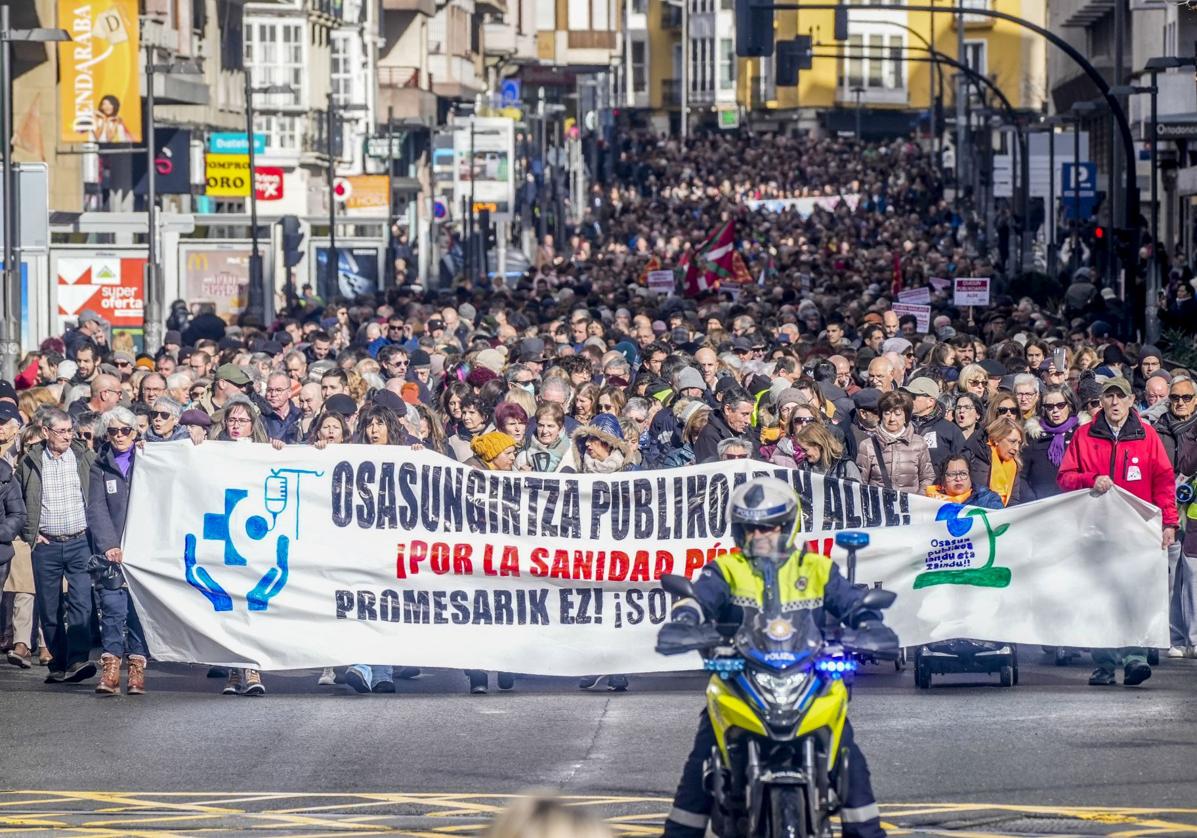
<point x="788" y="814"/>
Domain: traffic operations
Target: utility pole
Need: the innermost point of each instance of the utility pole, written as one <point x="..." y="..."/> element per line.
<point x="857" y="91"/>
<point x="961" y="113"/>
<point x="685" y="69"/>
<point x="390" y="238"/>
<point x="330" y="265"/>
<point x="257" y="294"/>
<point x="10" y="337"/>
<point x="154" y="292"/>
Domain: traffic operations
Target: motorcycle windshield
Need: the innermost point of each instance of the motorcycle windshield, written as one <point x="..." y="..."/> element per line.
<point x="775" y="637"/>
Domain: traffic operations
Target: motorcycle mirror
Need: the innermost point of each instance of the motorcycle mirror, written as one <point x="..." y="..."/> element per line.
<point x="878" y="599"/>
<point x="679" y="586"/>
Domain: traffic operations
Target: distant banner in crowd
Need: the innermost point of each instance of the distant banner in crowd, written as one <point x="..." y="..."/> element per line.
<point x="804" y="206"/>
<point x="304" y="558"/>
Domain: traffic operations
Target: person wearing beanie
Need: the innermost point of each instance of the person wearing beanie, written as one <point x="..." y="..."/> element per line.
<point x="602" y="448"/>
<point x="493" y="451"/>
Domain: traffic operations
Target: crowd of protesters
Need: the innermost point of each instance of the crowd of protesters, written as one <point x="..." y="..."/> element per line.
<point x="577" y="366"/>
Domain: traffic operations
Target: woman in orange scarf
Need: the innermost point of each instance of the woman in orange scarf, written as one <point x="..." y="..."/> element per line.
<point x="954" y="483"/>
<point x="996" y="464"/>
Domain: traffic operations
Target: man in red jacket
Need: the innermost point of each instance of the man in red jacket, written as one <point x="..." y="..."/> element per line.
<point x="1118" y="449"/>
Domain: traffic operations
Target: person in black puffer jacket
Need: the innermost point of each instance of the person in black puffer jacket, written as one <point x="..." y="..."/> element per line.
<point x="1048" y="436"/>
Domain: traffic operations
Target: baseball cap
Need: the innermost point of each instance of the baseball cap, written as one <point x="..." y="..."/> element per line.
<point x="434" y="325"/>
<point x="232" y="374"/>
<point x="1120" y="384"/>
<point x="922" y="386"/>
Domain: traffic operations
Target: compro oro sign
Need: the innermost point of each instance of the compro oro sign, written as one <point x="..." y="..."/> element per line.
<point x="99" y="75"/>
<point x="227" y="175"/>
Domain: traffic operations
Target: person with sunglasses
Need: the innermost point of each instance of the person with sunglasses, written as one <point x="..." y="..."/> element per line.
<point x="164" y="421"/>
<point x="1048" y="436"/>
<point x="1177" y="430"/>
<point x="107" y="503"/>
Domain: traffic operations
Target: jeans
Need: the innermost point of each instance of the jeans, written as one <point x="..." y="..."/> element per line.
<point x="376" y="674"/>
<point x="66" y="619"/>
<point x="1182" y="597"/>
<point x="120" y="627"/>
<point x="692" y="803"/>
<point x="1111" y="659"/>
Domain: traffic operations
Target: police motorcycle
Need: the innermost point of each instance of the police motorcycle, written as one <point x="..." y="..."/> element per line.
<point x="777" y="700"/>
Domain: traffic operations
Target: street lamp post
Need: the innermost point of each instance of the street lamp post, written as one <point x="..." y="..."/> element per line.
<point x="257" y="290"/>
<point x="1078" y="111"/>
<point x="10" y="294"/>
<point x="1154" y="67"/>
<point x="331" y="265"/>
<point x="857" y="91"/>
<point x="154" y="291"/>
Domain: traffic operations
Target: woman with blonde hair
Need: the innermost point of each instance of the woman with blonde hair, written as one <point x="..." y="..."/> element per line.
<point x="823" y="453"/>
<point x="973" y="380"/>
<point x="28" y="401"/>
<point x="996" y="463"/>
<point x="586" y="402"/>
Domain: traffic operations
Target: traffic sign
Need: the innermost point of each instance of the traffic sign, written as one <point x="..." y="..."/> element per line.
<point x="440" y="209"/>
<point x="376" y="147"/>
<point x="1079" y="189"/>
<point x="510" y="92"/>
<point x="32" y="218"/>
<point x="342" y="189"/>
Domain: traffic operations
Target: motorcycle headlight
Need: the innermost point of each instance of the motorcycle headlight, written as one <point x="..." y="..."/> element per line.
<point x="781" y="689"/>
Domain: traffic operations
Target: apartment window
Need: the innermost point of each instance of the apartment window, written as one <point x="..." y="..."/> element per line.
<point x="873" y="60"/>
<point x="281" y="130"/>
<point x="639" y="66"/>
<point x="727" y="63"/>
<point x="695" y="63"/>
<point x="345" y="79"/>
<point x="274" y="52"/>
<point x="589" y="14"/>
<point x="639" y="6"/>
<point x="975" y="57"/>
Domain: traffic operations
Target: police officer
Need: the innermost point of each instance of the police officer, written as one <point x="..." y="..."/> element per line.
<point x="765" y="519"/>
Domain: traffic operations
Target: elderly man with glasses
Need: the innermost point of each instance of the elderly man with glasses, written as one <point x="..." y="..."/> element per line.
<point x="1178" y="432"/>
<point x="54" y="477"/>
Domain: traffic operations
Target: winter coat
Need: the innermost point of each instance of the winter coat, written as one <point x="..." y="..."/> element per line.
<point x="1135" y="460"/>
<point x="1186" y="463"/>
<point x="841" y="469"/>
<point x="108" y="501"/>
<point x="706" y="447"/>
<point x="1039" y="471"/>
<point x="29" y="476"/>
<point x="12" y="512"/>
<point x="664" y="437"/>
<point x="907" y="462"/>
<point x="943" y="438"/>
<point x="1170" y="430"/>
<point x="980" y="467"/>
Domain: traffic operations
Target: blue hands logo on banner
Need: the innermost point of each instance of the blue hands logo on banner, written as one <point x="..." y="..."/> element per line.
<point x="280" y="492"/>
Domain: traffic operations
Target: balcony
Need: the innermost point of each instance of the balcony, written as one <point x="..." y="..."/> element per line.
<point x="671" y="16"/>
<point x="591" y="39"/>
<point x="423" y="7"/>
<point x="400" y="92"/>
<point x="977" y="21"/>
<point x="671" y="93"/>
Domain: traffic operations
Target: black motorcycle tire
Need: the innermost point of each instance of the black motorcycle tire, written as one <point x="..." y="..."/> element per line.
<point x="787" y="813"/>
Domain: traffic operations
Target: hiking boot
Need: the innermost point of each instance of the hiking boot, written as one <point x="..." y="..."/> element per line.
<point x="233" y="685"/>
<point x="358" y="677"/>
<point x="253" y="683"/>
<point x="19" y="655"/>
<point x="136" y="684"/>
<point x="79" y="671"/>
<point x="1135" y="673"/>
<point x="1102" y="678"/>
<point x="110" y="674"/>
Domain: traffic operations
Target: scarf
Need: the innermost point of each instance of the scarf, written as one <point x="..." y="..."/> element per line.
<point x="546" y="458"/>
<point x="886" y="437"/>
<point x="940" y="494"/>
<point x="1002" y="474"/>
<point x="1055" y="451"/>
<point x="612" y="464"/>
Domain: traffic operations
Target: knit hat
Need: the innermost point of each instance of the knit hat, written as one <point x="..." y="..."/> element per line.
<point x="488" y="446"/>
<point x="687" y="378"/>
<point x="491" y="359"/>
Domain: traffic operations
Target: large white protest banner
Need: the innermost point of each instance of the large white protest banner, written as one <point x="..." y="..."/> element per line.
<point x="237" y="553"/>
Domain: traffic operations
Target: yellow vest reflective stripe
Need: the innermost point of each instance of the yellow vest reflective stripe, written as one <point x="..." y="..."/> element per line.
<point x="801" y="587"/>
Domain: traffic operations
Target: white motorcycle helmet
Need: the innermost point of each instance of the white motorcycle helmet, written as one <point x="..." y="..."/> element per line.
<point x="765" y="502"/>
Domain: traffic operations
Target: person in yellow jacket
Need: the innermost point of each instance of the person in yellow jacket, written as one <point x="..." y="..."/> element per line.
<point x="765" y="520"/>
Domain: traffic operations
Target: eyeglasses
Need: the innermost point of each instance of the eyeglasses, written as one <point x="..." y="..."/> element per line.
<point x="120" y="431"/>
<point x="1182" y="397"/>
<point x="236" y="420"/>
<point x="161" y="414"/>
<point x="61" y="431"/>
<point x="1093" y="403"/>
<point x="397" y="363"/>
<point x="1055" y="405"/>
<point x="394" y="328"/>
<point x="757" y="527"/>
<point x="123" y="364"/>
<point x="1007" y="411"/>
<point x="87" y="436"/>
<point x="955" y="475"/>
<point x="278" y="390"/>
<point x="803" y="420"/>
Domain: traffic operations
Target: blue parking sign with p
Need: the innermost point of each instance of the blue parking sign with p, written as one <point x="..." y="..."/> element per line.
<point x="1078" y="189"/>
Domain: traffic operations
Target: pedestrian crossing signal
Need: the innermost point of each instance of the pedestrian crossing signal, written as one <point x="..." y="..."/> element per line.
<point x="754" y="28"/>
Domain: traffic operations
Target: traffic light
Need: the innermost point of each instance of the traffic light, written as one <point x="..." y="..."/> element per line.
<point x="1099" y="233"/>
<point x="292" y="240"/>
<point x="754" y="28"/>
<point x="792" y="56"/>
<point x="841" y="23"/>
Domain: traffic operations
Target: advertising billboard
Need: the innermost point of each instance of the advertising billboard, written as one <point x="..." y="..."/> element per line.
<point x="109" y="283"/>
<point x="483" y="155"/>
<point x="99" y="72"/>
<point x="216" y="278"/>
<point x="359" y="271"/>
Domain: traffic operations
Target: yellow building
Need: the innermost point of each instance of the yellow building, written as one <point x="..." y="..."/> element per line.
<point x="882" y="68"/>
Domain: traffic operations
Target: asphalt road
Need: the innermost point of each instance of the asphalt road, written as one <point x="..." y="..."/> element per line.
<point x="1051" y="756"/>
